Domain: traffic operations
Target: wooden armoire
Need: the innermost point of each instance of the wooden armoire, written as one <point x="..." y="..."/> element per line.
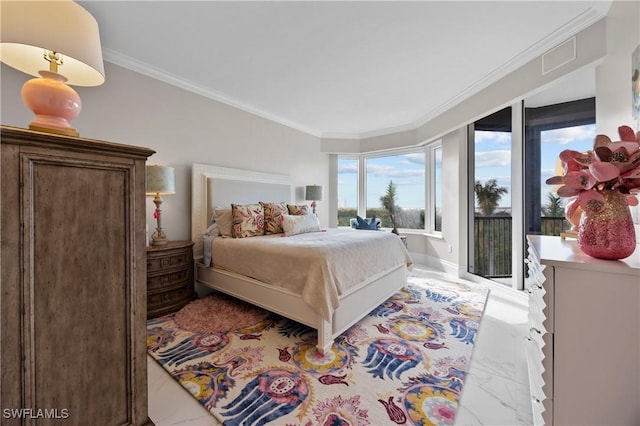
<point x="73" y="280"/>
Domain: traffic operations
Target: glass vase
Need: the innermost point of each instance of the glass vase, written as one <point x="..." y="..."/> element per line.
<point x="606" y="229"/>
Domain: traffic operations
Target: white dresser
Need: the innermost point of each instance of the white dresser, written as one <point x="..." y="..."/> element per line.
<point x="583" y="348"/>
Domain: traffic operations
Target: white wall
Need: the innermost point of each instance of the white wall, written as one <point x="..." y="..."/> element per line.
<point x="183" y="128"/>
<point x="613" y="75"/>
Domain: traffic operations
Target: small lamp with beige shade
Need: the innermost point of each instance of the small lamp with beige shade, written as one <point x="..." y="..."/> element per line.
<point x="160" y="181"/>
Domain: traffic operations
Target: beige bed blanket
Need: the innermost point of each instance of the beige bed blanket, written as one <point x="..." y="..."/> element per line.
<point x="320" y="266"/>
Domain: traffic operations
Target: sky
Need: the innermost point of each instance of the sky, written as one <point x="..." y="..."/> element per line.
<point x="493" y="155"/>
<point x="405" y="171"/>
<point x="493" y="160"/>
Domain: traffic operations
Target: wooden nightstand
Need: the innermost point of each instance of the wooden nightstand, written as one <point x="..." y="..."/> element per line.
<point x="169" y="277"/>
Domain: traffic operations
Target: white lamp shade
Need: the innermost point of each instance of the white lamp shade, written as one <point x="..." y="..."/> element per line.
<point x="65" y="27"/>
<point x="313" y="193"/>
<point x="160" y="180"/>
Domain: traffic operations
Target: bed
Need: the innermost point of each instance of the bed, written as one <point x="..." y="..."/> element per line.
<point x="329" y="297"/>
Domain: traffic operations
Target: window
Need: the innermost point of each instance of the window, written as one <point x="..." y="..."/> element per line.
<point x="552" y="142"/>
<point x="398" y="188"/>
<point x="347" y="189"/>
<point x="508" y="196"/>
<point x="395" y="189"/>
<point x="435" y="158"/>
<point x="549" y="130"/>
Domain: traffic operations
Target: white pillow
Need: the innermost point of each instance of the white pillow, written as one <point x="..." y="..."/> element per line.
<point x="299" y="224"/>
<point x="224" y="219"/>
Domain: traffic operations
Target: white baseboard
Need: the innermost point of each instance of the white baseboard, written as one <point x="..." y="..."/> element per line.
<point x="435" y="263"/>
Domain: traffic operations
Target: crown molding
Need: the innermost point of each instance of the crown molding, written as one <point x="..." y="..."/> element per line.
<point x="582" y="21"/>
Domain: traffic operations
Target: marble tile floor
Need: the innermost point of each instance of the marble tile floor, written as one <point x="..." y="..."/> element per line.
<point x="496" y="391"/>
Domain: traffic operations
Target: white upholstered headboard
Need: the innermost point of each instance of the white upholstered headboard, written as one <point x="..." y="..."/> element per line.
<point x="213" y="186"/>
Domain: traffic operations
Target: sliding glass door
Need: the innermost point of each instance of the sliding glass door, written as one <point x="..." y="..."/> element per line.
<point x="490" y="216"/>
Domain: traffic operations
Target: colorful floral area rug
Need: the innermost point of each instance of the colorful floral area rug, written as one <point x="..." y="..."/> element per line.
<point x="404" y="363"/>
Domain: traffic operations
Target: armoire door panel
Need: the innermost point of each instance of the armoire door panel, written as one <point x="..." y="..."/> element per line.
<point x="92" y="274"/>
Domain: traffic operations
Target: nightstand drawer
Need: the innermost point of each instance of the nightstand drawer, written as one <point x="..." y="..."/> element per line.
<point x="171" y="260"/>
<point x="169" y="301"/>
<point x="168" y="280"/>
<point x="169" y="277"/>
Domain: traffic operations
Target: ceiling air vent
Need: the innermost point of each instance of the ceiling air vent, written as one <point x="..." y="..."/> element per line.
<point x="558" y="56"/>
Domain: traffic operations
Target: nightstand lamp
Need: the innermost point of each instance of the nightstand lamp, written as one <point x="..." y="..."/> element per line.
<point x="313" y="193"/>
<point x="41" y="37"/>
<point x="160" y="181"/>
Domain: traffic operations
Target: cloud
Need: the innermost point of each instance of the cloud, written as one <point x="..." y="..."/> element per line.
<point x="499" y="158"/>
<point x="570" y="135"/>
<point x="389" y="171"/>
<point x="350" y="168"/>
<point x="481" y="136"/>
<point x="415" y="158"/>
<point x="547" y="173"/>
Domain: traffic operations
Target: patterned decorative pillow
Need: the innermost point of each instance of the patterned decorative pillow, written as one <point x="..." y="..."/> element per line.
<point x="300" y="224"/>
<point x="298" y="210"/>
<point x="248" y="220"/>
<point x="224" y="219"/>
<point x="272" y="217"/>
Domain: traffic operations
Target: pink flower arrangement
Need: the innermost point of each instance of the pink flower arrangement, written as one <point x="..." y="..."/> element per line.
<point x="609" y="166"/>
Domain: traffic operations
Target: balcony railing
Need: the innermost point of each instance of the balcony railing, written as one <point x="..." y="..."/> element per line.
<point x="493" y="243"/>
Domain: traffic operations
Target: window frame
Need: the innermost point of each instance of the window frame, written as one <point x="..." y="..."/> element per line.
<point x="356" y="158"/>
<point x="430" y="188"/>
<point x="428" y="149"/>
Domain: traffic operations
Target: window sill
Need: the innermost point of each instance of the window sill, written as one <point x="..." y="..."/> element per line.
<point x="437" y="236"/>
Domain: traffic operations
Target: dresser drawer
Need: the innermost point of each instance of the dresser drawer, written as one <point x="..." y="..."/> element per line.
<point x="542" y="411"/>
<point x="534" y="269"/>
<point x="537" y="309"/>
<point x="174" y="259"/>
<point x="540" y="363"/>
<point x="541" y="300"/>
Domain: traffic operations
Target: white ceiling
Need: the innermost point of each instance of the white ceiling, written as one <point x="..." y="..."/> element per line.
<point x="337" y="69"/>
